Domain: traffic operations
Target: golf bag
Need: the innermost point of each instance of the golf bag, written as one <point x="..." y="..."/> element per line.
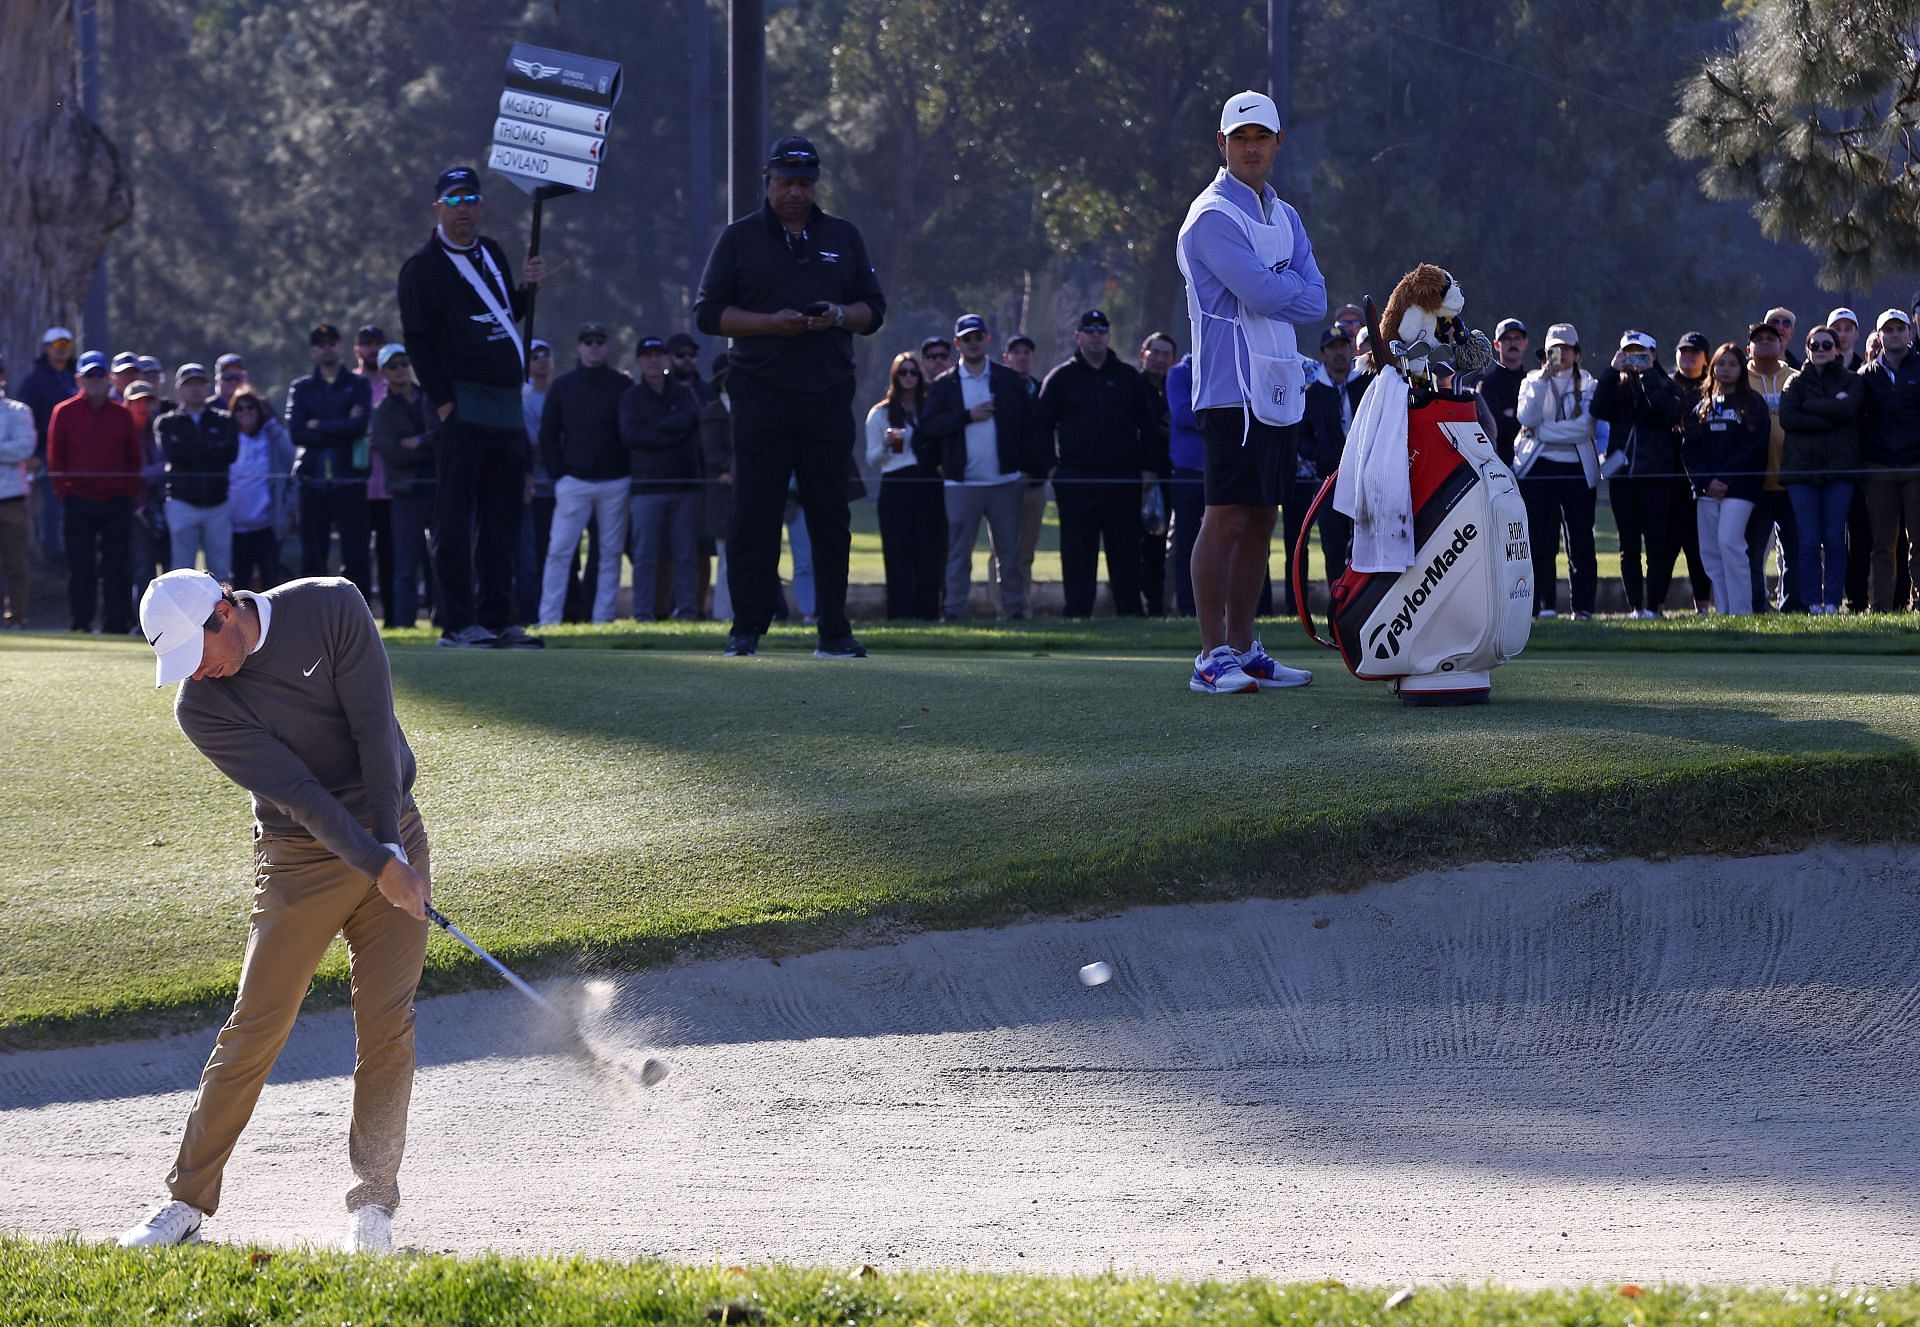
<point x="1435" y="631"/>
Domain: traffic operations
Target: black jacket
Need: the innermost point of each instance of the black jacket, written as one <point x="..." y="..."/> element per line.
<point x="40" y="391"/>
<point x="407" y="469"/>
<point x="1323" y="434"/>
<point x="1820" y="411"/>
<point x="327" y="449"/>
<point x="580" y="426"/>
<point x="1097" y="423"/>
<point x="1499" y="387"/>
<point x="1733" y="451"/>
<point x="1890" y="423"/>
<point x="661" y="431"/>
<point x="756" y="266"/>
<point x="198" y="453"/>
<point x="1641" y="410"/>
<point x="445" y="325"/>
<point x="940" y="436"/>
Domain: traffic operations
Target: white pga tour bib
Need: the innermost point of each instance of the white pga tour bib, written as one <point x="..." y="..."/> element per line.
<point x="1274" y="379"/>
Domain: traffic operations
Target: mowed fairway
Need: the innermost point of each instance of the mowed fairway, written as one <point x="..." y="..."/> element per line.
<point x="612" y="807"/>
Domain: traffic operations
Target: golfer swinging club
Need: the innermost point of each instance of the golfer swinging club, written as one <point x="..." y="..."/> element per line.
<point x="288" y="694"/>
<point x="1250" y="275"/>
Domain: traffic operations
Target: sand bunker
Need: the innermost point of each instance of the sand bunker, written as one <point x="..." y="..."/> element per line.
<point x="1547" y="1072"/>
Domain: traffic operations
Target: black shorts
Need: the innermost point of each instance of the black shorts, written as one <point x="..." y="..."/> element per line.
<point x="1245" y="476"/>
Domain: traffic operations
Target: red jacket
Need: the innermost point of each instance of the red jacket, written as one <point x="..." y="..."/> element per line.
<point x="93" y="453"/>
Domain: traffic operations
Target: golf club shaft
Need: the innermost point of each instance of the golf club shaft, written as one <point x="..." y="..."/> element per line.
<point x="439" y="919"/>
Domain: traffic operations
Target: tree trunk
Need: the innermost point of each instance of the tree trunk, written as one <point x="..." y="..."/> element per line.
<point x="66" y="187"/>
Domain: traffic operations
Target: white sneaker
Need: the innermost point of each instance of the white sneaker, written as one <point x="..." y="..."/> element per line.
<point x="170" y="1222"/>
<point x="370" y="1230"/>
<point x="1268" y="671"/>
<point x="1219" y="673"/>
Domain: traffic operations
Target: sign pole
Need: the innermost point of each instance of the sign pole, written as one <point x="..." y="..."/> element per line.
<point x="533" y="251"/>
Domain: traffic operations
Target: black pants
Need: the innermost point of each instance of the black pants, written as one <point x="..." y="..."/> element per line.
<point x="1773" y="509"/>
<point x="1186" y="504"/>
<point x="1640" y="511"/>
<point x="256" y="560"/>
<point x="1557" y="495"/>
<point x="411" y="530"/>
<point x="481" y="475"/>
<point x="1336" y="535"/>
<point x="913" y="541"/>
<point x="1153" y="561"/>
<point x="808" y="437"/>
<point x="1859" y="550"/>
<point x="324" y="508"/>
<point x="380" y="526"/>
<point x="98" y="532"/>
<point x="1093" y="511"/>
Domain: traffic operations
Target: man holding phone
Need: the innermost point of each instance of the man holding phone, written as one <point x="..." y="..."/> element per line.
<point x="791" y="286"/>
<point x="1640" y="406"/>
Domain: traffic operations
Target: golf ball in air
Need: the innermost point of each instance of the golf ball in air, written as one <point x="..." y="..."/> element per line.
<point x="1096" y="974"/>
<point x="653" y="1071"/>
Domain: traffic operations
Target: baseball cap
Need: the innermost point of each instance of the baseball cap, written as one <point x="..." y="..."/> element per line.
<point x="390" y="350"/>
<point x="1642" y="340"/>
<point x="1093" y="320"/>
<point x="1693" y="341"/>
<point x="1780" y="311"/>
<point x="649" y="344"/>
<point x="590" y="329"/>
<point x="968" y="322"/>
<point x="1021" y="339"/>
<point x="173" y="617"/>
<point x="681" y="341"/>
<point x="1843" y="312"/>
<point x="91" y="363"/>
<point x="126" y="361"/>
<point x="1249" y="108"/>
<point x="933" y="341"/>
<point x="463" y="178"/>
<point x="1506" y="325"/>
<point x="793" y="157"/>
<point x="1334" y="334"/>
<point x="139" y="390"/>
<point x="1892" y="316"/>
<point x="189" y="370"/>
<point x="1562" y="334"/>
<point x="229" y="361"/>
<point x="1763" y="329"/>
<point x="324" y="332"/>
<point x="538" y="348"/>
<point x="369" y="333"/>
<point x="149" y="364"/>
<point x="53" y="334"/>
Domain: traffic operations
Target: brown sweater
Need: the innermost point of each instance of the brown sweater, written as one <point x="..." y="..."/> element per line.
<point x="307" y="724"/>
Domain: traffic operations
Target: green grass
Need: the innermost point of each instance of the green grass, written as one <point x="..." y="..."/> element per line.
<point x="625" y="807"/>
<point x="70" y="1285"/>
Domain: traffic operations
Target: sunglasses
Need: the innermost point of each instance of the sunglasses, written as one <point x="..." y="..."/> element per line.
<point x="593" y="340"/>
<point x="398" y="362"/>
<point x="459" y="200"/>
<point x="233" y="377"/>
<point x="1822" y="345"/>
<point x="906" y="371"/>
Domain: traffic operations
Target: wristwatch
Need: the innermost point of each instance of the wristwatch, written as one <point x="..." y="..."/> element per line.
<point x="839" y="315"/>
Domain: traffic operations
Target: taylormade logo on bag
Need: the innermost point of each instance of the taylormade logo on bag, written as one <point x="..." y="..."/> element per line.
<point x="1411" y="604"/>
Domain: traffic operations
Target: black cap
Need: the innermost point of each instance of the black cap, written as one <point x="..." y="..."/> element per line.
<point x="1093" y="318"/>
<point x="650" y="343"/>
<point x="681" y="341"/>
<point x="968" y="322"/>
<point x="462" y="178"/>
<point x="1333" y="334"/>
<point x="324" y="332"/>
<point x="1763" y="329"/>
<point x="932" y="341"/>
<point x="592" y="329"/>
<point x="1692" y="341"/>
<point x="370" y="333"/>
<point x="793" y="157"/>
<point x="1021" y="339"/>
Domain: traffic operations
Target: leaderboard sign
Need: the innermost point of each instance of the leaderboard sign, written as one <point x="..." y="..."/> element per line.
<point x="551" y="133"/>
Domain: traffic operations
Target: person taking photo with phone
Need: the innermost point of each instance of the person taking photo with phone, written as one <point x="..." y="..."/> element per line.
<point x="1641" y="406"/>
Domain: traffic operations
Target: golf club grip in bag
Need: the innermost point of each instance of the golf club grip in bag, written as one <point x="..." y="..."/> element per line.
<point x="1465" y="606"/>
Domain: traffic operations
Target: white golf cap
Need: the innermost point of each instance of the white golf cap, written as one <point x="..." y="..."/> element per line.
<point x="1843" y="312"/>
<point x="1640" y="339"/>
<point x="1249" y="108"/>
<point x="53" y="334"/>
<point x="1892" y="316"/>
<point x="173" y="615"/>
<point x="1562" y="334"/>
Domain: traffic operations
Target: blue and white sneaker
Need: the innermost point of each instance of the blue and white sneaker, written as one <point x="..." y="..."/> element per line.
<point x="1219" y="674"/>
<point x="1267" y="671"/>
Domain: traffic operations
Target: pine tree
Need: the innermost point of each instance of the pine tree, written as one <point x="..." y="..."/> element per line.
<point x="1813" y="114"/>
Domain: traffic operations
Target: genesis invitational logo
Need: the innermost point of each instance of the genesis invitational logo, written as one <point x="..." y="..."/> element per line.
<point x="1411" y="604"/>
<point x="534" y="69"/>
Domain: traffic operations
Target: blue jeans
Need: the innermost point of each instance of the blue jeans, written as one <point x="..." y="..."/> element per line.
<point x="1820" y="513"/>
<point x="664" y="525"/>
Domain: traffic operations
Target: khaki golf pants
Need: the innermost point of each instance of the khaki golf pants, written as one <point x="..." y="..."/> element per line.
<point x="303" y="896"/>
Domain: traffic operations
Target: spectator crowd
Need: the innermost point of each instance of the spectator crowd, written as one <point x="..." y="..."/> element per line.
<point x="1802" y="448"/>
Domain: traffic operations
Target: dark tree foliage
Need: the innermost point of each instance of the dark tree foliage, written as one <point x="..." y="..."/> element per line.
<point x="1811" y="113"/>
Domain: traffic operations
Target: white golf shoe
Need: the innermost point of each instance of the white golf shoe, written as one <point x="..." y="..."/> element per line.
<point x="170" y="1222"/>
<point x="370" y="1230"/>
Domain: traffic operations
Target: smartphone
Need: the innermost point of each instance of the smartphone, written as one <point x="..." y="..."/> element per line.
<point x="1557" y="356"/>
<point x="1639" y="359"/>
<point x="818" y="309"/>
